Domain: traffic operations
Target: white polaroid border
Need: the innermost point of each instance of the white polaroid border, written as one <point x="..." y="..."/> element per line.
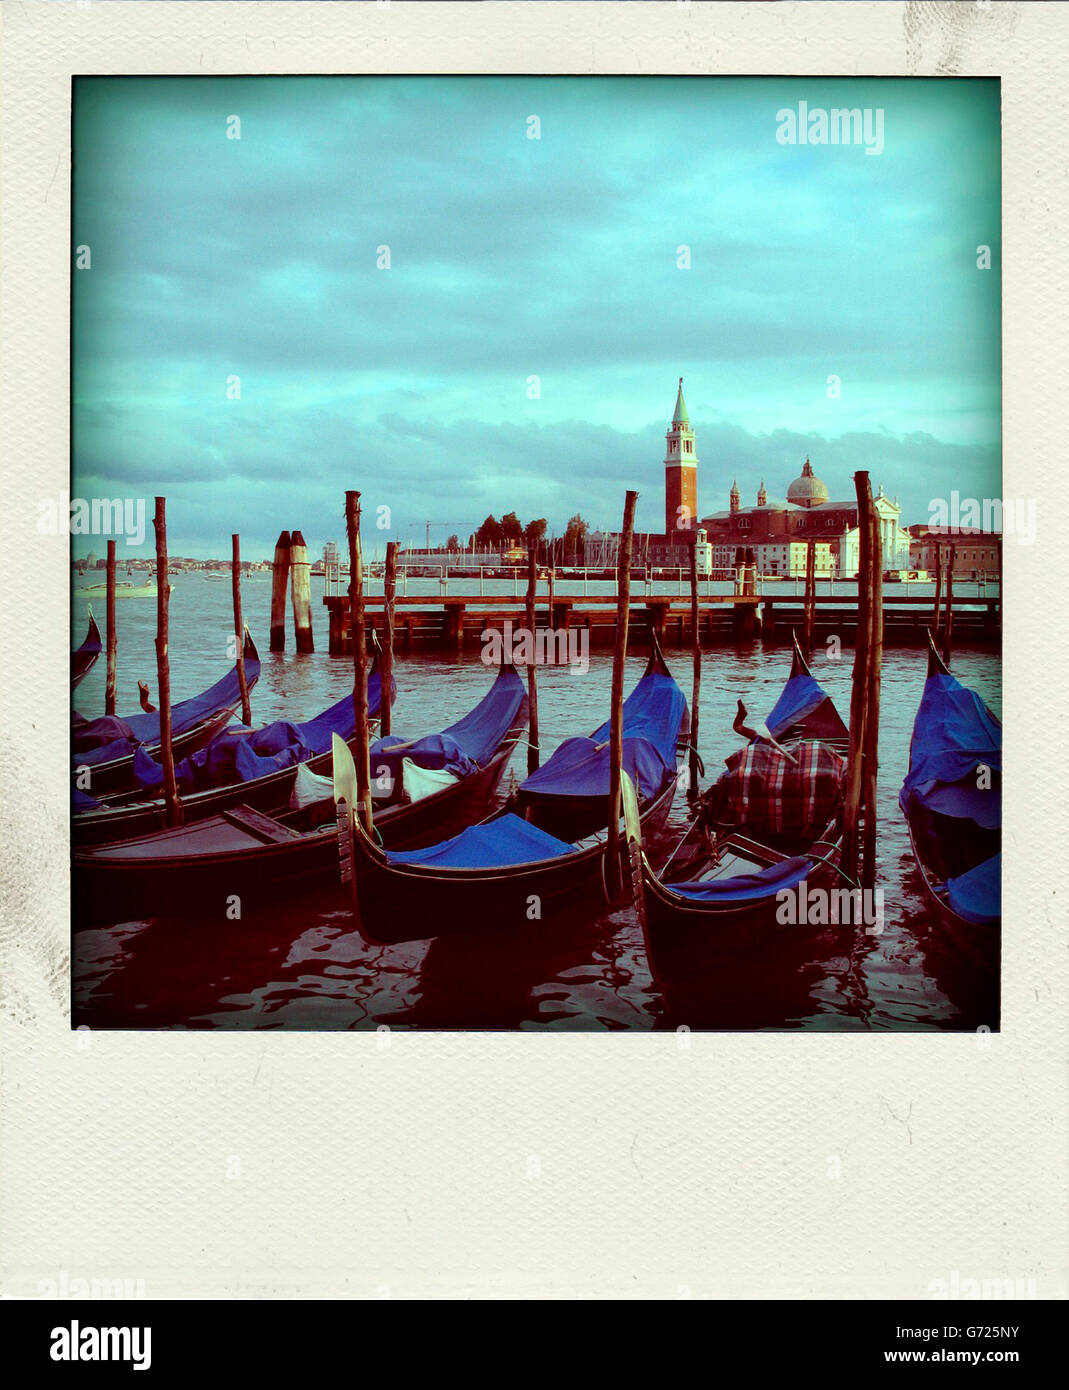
<point x="637" y="1166"/>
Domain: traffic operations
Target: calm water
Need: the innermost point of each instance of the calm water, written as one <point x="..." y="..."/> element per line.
<point x="302" y="966"/>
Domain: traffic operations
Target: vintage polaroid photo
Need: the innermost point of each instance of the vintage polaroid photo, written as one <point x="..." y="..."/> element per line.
<point x="541" y="524"/>
<point x="469" y="299"/>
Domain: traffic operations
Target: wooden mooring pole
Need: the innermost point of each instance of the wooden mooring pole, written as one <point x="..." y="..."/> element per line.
<point x="855" y="784"/>
<point x="937" y="615"/>
<point x="948" y="615"/>
<point x="301" y="582"/>
<point x="389" y="590"/>
<point x="872" y="715"/>
<point x="810" y="597"/>
<point x="113" y="633"/>
<point x="239" y="628"/>
<point x="356" y="623"/>
<point x="614" y="869"/>
<point x="534" y="751"/>
<point x="696" y="639"/>
<point x="173" y="807"/>
<point x="279" y="585"/>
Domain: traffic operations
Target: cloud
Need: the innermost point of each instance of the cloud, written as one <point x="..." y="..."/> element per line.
<point x="256" y="259"/>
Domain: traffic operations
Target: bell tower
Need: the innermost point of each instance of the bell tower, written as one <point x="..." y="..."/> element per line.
<point x="680" y="477"/>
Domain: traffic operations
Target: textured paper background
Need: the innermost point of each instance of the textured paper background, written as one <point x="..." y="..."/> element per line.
<point x="634" y="1166"/>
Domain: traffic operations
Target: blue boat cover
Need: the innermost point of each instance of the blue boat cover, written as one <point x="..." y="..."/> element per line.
<point x="462" y="747"/>
<point x="497" y="844"/>
<point x="954" y="732"/>
<point x="241" y="754"/>
<point x="766" y="883"/>
<point x="799" y="697"/>
<point x="653" y="717"/>
<point x="100" y="740"/>
<point x="977" y="895"/>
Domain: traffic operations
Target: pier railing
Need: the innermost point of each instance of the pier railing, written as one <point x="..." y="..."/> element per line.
<point x="452" y="620"/>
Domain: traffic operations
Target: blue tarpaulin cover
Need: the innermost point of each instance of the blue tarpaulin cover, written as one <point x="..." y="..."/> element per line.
<point x="653" y="717"/>
<point x="241" y="754"/>
<point x="464" y="746"/>
<point x="100" y="740"/>
<point x="765" y="883"/>
<point x="954" y="732"/>
<point x="501" y="842"/>
<point x="798" y="698"/>
<point x="977" y="895"/>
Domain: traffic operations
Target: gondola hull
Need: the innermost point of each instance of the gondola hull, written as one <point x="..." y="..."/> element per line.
<point x="398" y="903"/>
<point x="269" y="794"/>
<point x="689" y="940"/>
<point x="946" y="840"/>
<point x="981" y="942"/>
<point x="118" y="774"/>
<point x="84" y="659"/>
<point x="727" y="902"/>
<point x="202" y="867"/>
<point x="213" y="709"/>
<point x="128" y="816"/>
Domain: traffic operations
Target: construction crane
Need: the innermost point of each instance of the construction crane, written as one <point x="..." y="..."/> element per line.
<point x="461" y="525"/>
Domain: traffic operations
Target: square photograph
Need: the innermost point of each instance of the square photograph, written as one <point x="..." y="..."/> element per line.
<point x="536" y="553"/>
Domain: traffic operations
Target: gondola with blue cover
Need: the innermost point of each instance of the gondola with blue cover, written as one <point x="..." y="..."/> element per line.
<point x="423" y="788"/>
<point x="544" y="849"/>
<point x="84" y="657"/>
<point x="103" y="750"/>
<point x="250" y="767"/>
<point x="952" y="802"/>
<point x="771" y="822"/>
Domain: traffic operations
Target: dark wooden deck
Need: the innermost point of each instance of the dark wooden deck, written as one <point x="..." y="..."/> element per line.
<point x="459" y="621"/>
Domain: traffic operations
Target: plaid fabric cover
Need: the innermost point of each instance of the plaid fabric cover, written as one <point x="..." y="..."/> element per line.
<point x="764" y="791"/>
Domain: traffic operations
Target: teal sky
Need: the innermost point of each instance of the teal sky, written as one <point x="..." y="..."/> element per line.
<point x="215" y="258"/>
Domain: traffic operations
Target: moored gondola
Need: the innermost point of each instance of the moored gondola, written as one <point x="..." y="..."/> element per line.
<point x="103" y="750"/>
<point x="255" y="768"/>
<point x="952" y="802"/>
<point x="423" y="787"/>
<point x="770" y="824"/>
<point x="541" y="852"/>
<point x="84" y="658"/>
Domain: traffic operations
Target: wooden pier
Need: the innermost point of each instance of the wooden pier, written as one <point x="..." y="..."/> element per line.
<point x="457" y="622"/>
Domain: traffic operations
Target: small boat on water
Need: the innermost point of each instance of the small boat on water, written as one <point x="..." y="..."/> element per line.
<point x="84" y="658"/>
<point x="124" y="589"/>
<point x="423" y="788"/>
<point x="952" y="802"/>
<point x="104" y="751"/>
<point x="771" y="822"/>
<point x="252" y="767"/>
<point x="547" y="845"/>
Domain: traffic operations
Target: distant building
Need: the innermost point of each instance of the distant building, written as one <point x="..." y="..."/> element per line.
<point x="670" y="548"/>
<point x="330" y="553"/>
<point x="779" y="531"/>
<point x="976" y="553"/>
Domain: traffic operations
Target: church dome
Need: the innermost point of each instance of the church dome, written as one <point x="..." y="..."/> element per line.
<point x="806" y="490"/>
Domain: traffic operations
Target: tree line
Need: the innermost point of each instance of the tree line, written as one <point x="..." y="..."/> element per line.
<point x="511" y="531"/>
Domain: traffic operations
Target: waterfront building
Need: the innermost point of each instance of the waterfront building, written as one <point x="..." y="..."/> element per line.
<point x="976" y="552"/>
<point x="779" y="531"/>
<point x="671" y="548"/>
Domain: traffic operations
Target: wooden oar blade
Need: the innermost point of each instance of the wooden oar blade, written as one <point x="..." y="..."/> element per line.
<point x="346" y="798"/>
<point x="632" y="842"/>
